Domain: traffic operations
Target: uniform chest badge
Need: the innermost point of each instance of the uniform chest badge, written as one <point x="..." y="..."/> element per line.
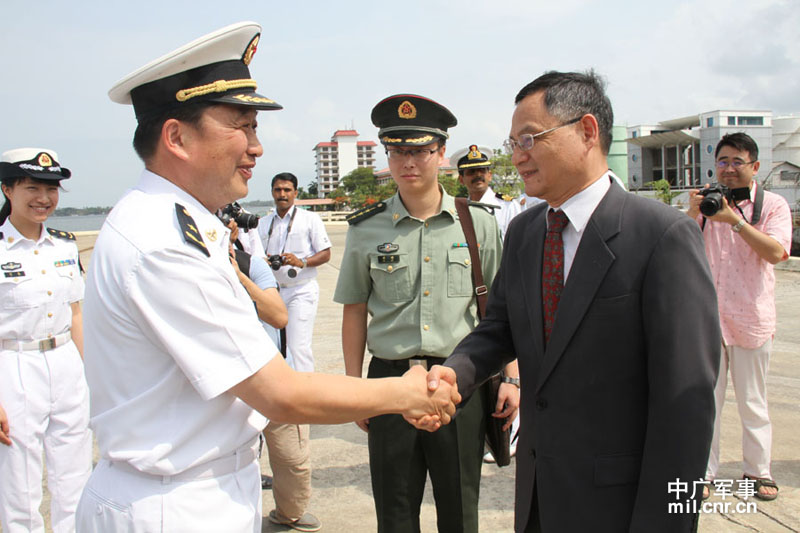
<point x="388" y="247"/>
<point x="212" y="235"/>
<point x="10" y="266"/>
<point x="65" y="262"/>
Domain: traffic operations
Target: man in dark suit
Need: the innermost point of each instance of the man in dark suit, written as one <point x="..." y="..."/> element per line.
<point x="614" y="323"/>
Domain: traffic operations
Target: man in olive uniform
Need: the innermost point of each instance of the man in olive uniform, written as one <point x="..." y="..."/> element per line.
<point x="406" y="264"/>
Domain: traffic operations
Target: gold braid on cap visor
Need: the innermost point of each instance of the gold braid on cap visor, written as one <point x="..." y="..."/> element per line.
<point x="219" y="86"/>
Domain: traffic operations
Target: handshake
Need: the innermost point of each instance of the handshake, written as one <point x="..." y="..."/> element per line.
<point x="433" y="398"/>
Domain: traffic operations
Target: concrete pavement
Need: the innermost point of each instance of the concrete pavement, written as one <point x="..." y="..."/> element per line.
<point x="341" y="488"/>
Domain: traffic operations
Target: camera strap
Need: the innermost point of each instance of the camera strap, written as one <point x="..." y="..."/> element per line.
<point x="288" y="229"/>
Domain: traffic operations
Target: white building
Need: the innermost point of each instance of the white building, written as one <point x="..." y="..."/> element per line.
<point x="682" y="150"/>
<point x="343" y="154"/>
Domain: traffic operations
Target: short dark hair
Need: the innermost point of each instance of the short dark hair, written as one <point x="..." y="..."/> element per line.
<point x="738" y="141"/>
<point x="148" y="131"/>
<point x="284" y="176"/>
<point x="569" y="95"/>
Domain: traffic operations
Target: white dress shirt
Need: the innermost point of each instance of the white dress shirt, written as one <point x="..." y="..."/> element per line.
<point x="579" y="209"/>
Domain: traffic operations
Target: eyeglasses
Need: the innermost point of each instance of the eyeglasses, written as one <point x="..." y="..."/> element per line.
<point x="419" y="154"/>
<point x="735" y="164"/>
<point x="526" y="140"/>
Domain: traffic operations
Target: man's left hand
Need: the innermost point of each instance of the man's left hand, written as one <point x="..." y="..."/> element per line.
<point x="507" y="404"/>
<point x="291" y="260"/>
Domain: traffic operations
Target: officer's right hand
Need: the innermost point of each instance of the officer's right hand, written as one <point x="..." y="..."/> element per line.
<point x="4" y="438"/>
<point x="363" y="424"/>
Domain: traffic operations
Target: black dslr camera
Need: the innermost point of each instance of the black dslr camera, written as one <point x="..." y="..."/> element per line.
<point x="275" y="262"/>
<point x="235" y="212"/>
<point x="712" y="201"/>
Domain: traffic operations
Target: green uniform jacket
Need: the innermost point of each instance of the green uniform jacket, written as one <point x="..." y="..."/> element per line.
<point x="418" y="289"/>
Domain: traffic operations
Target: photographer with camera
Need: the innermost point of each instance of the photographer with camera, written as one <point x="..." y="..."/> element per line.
<point x="296" y="243"/>
<point x="747" y="230"/>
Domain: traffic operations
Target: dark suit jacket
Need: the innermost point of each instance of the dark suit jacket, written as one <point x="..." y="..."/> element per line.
<point x="621" y="401"/>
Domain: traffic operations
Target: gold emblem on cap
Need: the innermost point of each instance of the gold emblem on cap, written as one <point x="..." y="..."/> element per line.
<point x="251" y="50"/>
<point x="474" y="153"/>
<point x="407" y="110"/>
<point x="45" y="161"/>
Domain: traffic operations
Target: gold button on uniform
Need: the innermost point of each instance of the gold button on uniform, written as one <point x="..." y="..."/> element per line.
<point x="49" y="293"/>
<point x="426" y="224"/>
<point x="427" y="259"/>
<point x="466" y="261"/>
<point x="426" y="293"/>
<point x="426" y="327"/>
<point x="36" y="252"/>
<point x="395" y="216"/>
<point x="49" y="315"/>
<point x="389" y="268"/>
<point x="44" y="271"/>
<point x="11" y="239"/>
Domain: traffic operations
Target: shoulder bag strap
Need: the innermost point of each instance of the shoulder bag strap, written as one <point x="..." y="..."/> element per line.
<point x="465" y="217"/>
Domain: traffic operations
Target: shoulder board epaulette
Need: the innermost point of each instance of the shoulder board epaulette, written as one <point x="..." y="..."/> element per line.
<point x="61" y="234"/>
<point x="189" y="229"/>
<point x="365" y="212"/>
<point x="489" y="207"/>
<point x="504" y="197"/>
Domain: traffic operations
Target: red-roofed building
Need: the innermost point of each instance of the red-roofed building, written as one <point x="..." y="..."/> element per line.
<point x="343" y="154"/>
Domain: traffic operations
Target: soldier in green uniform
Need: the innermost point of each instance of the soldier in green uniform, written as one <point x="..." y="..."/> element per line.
<point x="407" y="266"/>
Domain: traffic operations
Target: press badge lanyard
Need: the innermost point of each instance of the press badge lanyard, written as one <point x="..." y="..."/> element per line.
<point x="288" y="229"/>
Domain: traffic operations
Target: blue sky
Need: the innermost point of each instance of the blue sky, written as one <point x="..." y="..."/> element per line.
<point x="328" y="63"/>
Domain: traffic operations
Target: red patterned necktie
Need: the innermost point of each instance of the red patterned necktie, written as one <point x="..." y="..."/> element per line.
<point x="552" y="268"/>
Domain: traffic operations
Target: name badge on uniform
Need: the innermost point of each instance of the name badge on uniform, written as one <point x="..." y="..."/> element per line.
<point x="388" y="247"/>
<point x="388" y="259"/>
<point x="65" y="262"/>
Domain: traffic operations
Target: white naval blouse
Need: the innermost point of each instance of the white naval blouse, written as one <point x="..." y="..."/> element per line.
<point x="39" y="281"/>
<point x="167" y="331"/>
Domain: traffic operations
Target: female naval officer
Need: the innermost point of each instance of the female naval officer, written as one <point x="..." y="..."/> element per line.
<point x="44" y="400"/>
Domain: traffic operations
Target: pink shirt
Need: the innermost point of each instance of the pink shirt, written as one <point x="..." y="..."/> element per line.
<point x="745" y="283"/>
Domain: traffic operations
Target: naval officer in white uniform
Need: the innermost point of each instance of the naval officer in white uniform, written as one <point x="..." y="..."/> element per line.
<point x="181" y="373"/>
<point x="475" y="172"/>
<point x="44" y="402"/>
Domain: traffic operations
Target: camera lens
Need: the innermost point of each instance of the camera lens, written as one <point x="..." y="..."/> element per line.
<point x="247" y="220"/>
<point x="711" y="204"/>
<point x="292" y="273"/>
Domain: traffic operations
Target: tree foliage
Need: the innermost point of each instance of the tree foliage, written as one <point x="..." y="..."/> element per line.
<point x="663" y="191"/>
